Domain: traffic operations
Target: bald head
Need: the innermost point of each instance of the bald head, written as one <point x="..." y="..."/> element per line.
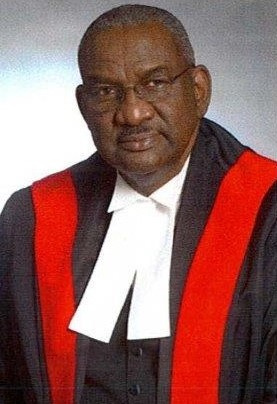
<point x="135" y="14"/>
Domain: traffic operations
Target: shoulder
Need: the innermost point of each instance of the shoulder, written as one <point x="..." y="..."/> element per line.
<point x="20" y="202"/>
<point x="17" y="209"/>
<point x="254" y="175"/>
<point x="93" y="168"/>
<point x="83" y="177"/>
<point x="86" y="176"/>
<point x="219" y="144"/>
<point x="266" y="222"/>
<point x="227" y="151"/>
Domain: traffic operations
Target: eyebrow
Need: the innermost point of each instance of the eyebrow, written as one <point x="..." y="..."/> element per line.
<point x="156" y="70"/>
<point x="98" y="79"/>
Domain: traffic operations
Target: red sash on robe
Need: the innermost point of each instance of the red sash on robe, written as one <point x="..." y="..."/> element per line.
<point x="207" y="293"/>
<point x="55" y="226"/>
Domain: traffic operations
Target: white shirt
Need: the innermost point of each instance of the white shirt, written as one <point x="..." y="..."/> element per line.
<point x="136" y="251"/>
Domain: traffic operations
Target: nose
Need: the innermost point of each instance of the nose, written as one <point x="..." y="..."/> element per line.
<point x="133" y="110"/>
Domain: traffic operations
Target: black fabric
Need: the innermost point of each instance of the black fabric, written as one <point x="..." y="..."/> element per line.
<point x="248" y="368"/>
<point x="250" y="359"/>
<point x="23" y="375"/>
<point x="106" y="373"/>
<point x="94" y="182"/>
<point x="131" y="373"/>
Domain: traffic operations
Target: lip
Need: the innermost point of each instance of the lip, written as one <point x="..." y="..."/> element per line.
<point x="138" y="142"/>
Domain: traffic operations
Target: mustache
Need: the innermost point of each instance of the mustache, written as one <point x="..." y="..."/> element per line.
<point x="134" y="130"/>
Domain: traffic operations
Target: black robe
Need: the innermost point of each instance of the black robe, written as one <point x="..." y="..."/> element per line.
<point x="248" y="367"/>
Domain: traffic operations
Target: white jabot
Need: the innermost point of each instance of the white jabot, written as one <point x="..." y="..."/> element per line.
<point x="136" y="251"/>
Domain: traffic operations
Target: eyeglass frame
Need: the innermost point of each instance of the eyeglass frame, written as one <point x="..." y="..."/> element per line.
<point x="118" y="100"/>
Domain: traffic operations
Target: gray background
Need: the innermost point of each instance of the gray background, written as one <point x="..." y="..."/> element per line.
<point x="41" y="129"/>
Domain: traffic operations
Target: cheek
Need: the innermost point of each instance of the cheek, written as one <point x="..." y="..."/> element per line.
<point x="97" y="121"/>
<point x="102" y="130"/>
<point x="181" y="123"/>
<point x="180" y="120"/>
<point x="186" y="117"/>
<point x="181" y="109"/>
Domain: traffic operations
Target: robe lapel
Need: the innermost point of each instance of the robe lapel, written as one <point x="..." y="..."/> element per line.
<point x="204" y="176"/>
<point x="94" y="185"/>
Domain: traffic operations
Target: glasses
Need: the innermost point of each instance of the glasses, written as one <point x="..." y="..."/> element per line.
<point x="106" y="97"/>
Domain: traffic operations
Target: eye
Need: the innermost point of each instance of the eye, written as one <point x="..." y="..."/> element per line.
<point x="103" y="91"/>
<point x="157" y="84"/>
<point x="106" y="91"/>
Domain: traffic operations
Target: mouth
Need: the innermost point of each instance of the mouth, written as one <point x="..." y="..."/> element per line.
<point x="138" y="142"/>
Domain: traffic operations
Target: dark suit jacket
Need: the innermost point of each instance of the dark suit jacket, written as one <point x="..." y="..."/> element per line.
<point x="248" y="368"/>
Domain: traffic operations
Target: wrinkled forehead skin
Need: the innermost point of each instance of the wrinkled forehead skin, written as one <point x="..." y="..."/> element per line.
<point x="123" y="49"/>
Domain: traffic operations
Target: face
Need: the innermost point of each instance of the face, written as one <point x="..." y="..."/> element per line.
<point x="138" y="135"/>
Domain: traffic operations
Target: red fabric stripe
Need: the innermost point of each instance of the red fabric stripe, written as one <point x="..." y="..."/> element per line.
<point x="55" y="224"/>
<point x="212" y="279"/>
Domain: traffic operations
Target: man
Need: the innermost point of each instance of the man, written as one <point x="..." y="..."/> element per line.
<point x="148" y="272"/>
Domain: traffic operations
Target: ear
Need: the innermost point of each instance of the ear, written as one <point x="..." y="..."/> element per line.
<point x="202" y="88"/>
<point x="80" y="97"/>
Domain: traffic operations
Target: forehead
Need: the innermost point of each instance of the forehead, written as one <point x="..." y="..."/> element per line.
<point x="120" y="52"/>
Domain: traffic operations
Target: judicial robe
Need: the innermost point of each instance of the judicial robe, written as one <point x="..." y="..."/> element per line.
<point x="223" y="290"/>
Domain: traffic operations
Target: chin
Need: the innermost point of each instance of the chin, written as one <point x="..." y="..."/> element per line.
<point x="137" y="168"/>
<point x="140" y="164"/>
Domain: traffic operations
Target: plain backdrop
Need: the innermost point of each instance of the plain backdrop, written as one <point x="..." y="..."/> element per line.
<point x="41" y="129"/>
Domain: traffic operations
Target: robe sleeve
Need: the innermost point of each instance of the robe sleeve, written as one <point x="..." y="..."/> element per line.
<point x="269" y="346"/>
<point x="8" y="344"/>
